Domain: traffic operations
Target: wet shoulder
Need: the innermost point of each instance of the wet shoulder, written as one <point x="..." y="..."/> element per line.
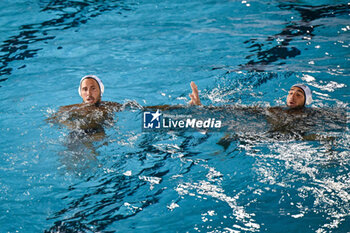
<point x="104" y="105"/>
<point x="111" y="106"/>
<point x="70" y="107"/>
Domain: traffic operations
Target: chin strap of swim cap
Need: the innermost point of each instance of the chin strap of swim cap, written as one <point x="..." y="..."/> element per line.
<point x="100" y="84"/>
<point x="307" y="93"/>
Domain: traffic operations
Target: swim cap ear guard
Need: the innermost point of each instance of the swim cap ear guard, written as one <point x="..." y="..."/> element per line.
<point x="100" y="84"/>
<point x="307" y="93"/>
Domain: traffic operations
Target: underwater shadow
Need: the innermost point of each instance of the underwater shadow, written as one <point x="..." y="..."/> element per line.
<point x="264" y="55"/>
<point x="18" y="47"/>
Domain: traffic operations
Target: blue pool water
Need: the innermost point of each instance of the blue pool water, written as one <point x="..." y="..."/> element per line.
<point x="238" y="52"/>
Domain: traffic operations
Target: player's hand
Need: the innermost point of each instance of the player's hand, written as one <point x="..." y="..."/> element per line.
<point x="194" y="95"/>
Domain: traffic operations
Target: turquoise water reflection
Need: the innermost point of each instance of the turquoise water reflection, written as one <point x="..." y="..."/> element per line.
<point x="238" y="52"/>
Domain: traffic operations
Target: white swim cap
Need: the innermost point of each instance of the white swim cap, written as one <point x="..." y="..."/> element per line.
<point x="100" y="84"/>
<point x="307" y="93"/>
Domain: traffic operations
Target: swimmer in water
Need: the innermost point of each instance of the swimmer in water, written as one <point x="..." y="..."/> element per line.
<point x="91" y="115"/>
<point x="299" y="95"/>
<point x="294" y="120"/>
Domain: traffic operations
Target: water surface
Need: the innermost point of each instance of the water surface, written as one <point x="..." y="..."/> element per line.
<point x="243" y="53"/>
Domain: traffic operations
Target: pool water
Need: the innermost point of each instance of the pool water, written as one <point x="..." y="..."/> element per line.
<point x="242" y="53"/>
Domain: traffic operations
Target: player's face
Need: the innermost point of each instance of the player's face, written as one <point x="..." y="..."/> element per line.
<point x="295" y="98"/>
<point x="90" y="91"/>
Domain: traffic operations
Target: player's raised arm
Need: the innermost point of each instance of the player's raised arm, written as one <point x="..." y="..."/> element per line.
<point x="194" y="95"/>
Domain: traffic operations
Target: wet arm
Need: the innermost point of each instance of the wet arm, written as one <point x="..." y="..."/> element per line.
<point x="195" y="100"/>
<point x="65" y="115"/>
